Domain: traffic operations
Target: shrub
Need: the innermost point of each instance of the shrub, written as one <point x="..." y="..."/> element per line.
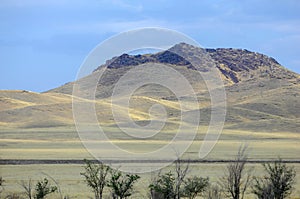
<point x="278" y="183"/>
<point x="164" y="186"/>
<point x="95" y="177"/>
<point x="194" y="186"/>
<point x="122" y="185"/>
<point x="44" y="188"/>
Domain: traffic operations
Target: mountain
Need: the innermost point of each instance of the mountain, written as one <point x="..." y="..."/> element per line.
<point x="261" y="94"/>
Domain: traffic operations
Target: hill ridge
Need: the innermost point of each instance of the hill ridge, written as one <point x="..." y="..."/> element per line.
<point x="234" y="64"/>
<point x="261" y="94"/>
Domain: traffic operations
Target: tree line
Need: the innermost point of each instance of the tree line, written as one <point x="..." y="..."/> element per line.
<point x="277" y="182"/>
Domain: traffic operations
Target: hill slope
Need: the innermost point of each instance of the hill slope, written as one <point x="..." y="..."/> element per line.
<point x="261" y="94"/>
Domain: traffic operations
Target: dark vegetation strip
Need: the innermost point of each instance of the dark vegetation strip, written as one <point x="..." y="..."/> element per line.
<point x="74" y="161"/>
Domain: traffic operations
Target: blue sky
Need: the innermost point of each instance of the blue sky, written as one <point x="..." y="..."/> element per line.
<point x="43" y="43"/>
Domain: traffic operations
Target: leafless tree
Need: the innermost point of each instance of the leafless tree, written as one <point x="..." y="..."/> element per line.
<point x="181" y="171"/>
<point x="237" y="179"/>
<point x="27" y="186"/>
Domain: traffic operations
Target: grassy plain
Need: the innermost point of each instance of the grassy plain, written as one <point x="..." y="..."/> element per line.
<point x="63" y="143"/>
<point x="72" y="184"/>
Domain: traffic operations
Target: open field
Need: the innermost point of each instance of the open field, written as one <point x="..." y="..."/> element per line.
<point x="65" y="144"/>
<point x="72" y="184"/>
<point x="62" y="143"/>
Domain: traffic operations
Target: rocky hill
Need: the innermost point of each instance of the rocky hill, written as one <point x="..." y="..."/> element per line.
<point x="261" y="94"/>
<point x="235" y="65"/>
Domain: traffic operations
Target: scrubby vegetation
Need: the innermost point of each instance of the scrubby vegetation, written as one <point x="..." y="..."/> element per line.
<point x="175" y="184"/>
<point x="42" y="189"/>
<point x="96" y="177"/>
<point x="121" y="185"/>
<point x="277" y="182"/>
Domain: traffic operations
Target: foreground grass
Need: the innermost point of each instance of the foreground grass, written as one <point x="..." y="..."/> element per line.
<point x="72" y="184"/>
<point x="65" y="144"/>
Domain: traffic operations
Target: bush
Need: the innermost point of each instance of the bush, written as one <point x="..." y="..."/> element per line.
<point x="262" y="188"/>
<point x="164" y="186"/>
<point x="194" y="186"/>
<point x="278" y="183"/>
<point x="43" y="188"/>
<point x="122" y="185"/>
<point x="95" y="177"/>
<point x="174" y="185"/>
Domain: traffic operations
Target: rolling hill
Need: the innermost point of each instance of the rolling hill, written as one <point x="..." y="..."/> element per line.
<point x="261" y="94"/>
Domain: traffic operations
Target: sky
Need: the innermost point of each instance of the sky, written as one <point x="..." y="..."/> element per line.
<point x="43" y="43"/>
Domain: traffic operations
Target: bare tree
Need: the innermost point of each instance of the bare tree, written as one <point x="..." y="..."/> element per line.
<point x="237" y="180"/>
<point x="27" y="186"/>
<point x="181" y="171"/>
<point x="95" y="177"/>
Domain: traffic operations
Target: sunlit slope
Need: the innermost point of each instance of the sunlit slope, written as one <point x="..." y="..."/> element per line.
<point x="261" y="95"/>
<point x="260" y="110"/>
<point x="23" y="109"/>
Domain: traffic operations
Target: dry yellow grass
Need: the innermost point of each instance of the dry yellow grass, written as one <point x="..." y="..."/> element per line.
<point x="72" y="184"/>
<point x="54" y="137"/>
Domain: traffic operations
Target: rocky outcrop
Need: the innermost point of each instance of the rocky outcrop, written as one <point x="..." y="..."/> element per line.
<point x="235" y="65"/>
